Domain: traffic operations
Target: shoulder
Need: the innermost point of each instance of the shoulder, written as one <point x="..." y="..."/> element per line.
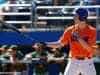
<point x="34" y="53"/>
<point x="70" y="28"/>
<point x="92" y="31"/>
<point x="92" y="28"/>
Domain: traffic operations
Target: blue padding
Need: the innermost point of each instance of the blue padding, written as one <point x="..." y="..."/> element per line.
<point x="47" y="36"/>
<point x="15" y="38"/>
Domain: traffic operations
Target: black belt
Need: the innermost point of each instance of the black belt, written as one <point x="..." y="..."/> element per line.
<point x="82" y="58"/>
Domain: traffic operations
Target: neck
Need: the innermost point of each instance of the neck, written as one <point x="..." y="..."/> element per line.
<point x="82" y="25"/>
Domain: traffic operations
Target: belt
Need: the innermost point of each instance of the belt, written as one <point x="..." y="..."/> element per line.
<point x="81" y="58"/>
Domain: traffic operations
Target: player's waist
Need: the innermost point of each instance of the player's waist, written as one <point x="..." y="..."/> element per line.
<point x="81" y="58"/>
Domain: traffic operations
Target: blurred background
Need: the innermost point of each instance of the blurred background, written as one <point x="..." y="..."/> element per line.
<point x="25" y="26"/>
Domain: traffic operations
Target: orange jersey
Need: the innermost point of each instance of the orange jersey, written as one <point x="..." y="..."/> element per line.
<point x="88" y="34"/>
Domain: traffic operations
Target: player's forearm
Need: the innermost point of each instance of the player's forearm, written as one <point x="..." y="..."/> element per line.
<point x="54" y="44"/>
<point x="85" y="44"/>
<point x="88" y="47"/>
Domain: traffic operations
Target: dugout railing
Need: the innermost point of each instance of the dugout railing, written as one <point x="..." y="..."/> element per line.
<point x="44" y="17"/>
<point x="17" y="13"/>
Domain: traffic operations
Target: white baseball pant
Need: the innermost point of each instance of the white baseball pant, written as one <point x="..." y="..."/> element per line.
<point x="75" y="67"/>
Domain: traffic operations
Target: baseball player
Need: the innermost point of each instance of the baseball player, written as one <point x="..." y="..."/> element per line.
<point x="82" y="38"/>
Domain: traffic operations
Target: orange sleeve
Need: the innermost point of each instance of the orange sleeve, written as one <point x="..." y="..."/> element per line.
<point x="64" y="39"/>
<point x="92" y="41"/>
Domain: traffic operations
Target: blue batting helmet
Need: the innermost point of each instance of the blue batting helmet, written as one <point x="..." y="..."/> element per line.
<point x="82" y="13"/>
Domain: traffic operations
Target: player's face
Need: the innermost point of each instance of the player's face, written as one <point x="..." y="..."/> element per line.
<point x="76" y="19"/>
<point x="81" y="24"/>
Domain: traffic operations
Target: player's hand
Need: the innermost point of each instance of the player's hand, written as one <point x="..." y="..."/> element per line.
<point x="75" y="36"/>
